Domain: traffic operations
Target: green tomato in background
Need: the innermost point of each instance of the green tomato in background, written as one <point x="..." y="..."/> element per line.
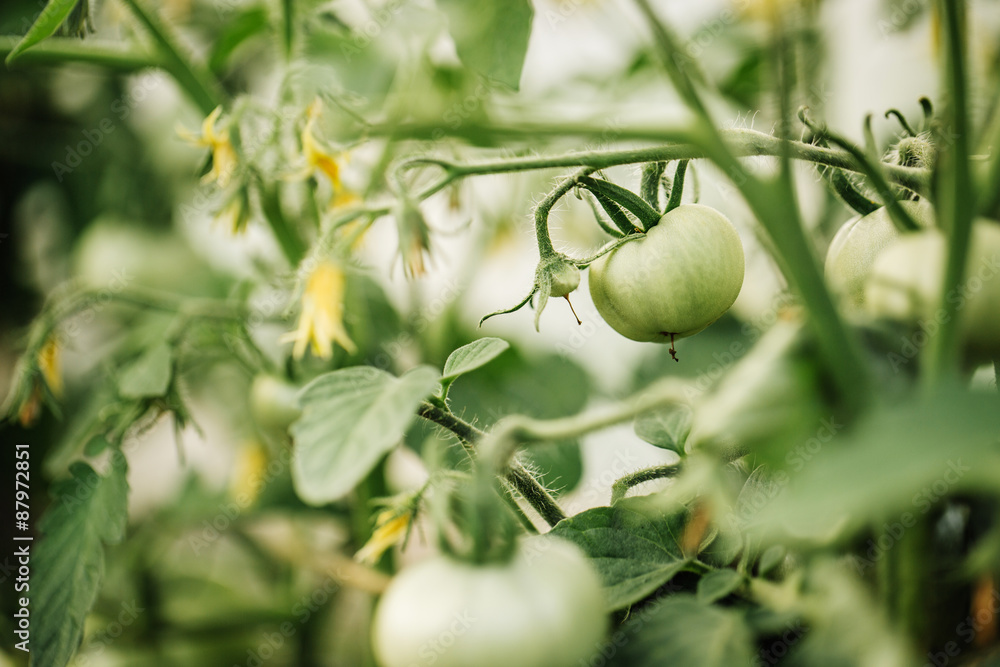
<point x="544" y="608"/>
<point x="906" y="279"/>
<point x="674" y="281"/>
<point x="856" y="245"/>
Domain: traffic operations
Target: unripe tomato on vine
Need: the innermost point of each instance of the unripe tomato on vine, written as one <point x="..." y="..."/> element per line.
<point x="672" y="282"/>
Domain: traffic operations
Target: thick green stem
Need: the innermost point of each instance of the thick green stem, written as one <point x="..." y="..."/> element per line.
<point x="740" y="143"/>
<point x="519" y="477"/>
<point x="57" y="50"/>
<point x="196" y="82"/>
<point x="514" y="432"/>
<point x="956" y="202"/>
<point x="545" y="247"/>
<point x="622" y="486"/>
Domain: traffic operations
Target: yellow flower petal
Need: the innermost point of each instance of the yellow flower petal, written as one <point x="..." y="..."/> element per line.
<point x="224" y="157"/>
<point x="321" y="321"/>
<point x="390" y="529"/>
<point x="48" y="364"/>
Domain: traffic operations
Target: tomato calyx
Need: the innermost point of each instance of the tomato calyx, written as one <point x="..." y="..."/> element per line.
<point x="556" y="276"/>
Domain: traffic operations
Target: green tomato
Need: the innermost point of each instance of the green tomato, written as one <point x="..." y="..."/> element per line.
<point x="544" y="608"/>
<point x="856" y="245"/>
<point x="906" y="281"/>
<point x="674" y="281"/>
<point x="274" y="403"/>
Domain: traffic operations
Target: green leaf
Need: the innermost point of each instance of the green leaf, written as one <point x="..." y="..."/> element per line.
<point x="634" y="553"/>
<point x="717" y="585"/>
<point x="45" y="25"/>
<point x="491" y="36"/>
<point x="90" y="511"/>
<point x="351" y="418"/>
<point x="667" y="429"/>
<point x="679" y="630"/>
<point x="469" y="357"/>
<point x="149" y="375"/>
<point x="898" y="463"/>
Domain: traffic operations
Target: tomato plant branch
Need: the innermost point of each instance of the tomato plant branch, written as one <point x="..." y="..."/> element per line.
<point x="682" y="145"/>
<point x="514" y="432"/>
<point x="517" y="475"/>
<point x="622" y="486"/>
<point x="56" y="50"/>
<point x="869" y="168"/>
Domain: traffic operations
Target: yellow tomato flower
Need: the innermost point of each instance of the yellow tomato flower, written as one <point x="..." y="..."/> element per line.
<point x="390" y="528"/>
<point x="322" y="320"/>
<point x="224" y="158"/>
<point x="318" y="160"/>
<point x="48" y="364"/>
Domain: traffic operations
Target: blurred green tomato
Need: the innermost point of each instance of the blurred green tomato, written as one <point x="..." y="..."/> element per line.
<point x="856" y="245"/>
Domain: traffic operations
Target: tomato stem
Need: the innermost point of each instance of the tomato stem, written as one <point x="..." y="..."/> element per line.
<point x="573" y="310"/>
<point x="677" y="190"/>
<point x="518" y="476"/>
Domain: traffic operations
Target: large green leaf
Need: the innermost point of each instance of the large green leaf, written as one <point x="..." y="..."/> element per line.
<point x="351" y="418"/>
<point x="634" y="553"/>
<point x="679" y="630"/>
<point x="491" y="36"/>
<point x="894" y="465"/>
<point x="45" y="25"/>
<point x="90" y="511"/>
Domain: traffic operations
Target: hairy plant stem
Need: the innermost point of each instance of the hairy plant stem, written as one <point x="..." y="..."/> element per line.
<point x="622" y="486"/>
<point x="517" y="475"/>
<point x="497" y="448"/>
